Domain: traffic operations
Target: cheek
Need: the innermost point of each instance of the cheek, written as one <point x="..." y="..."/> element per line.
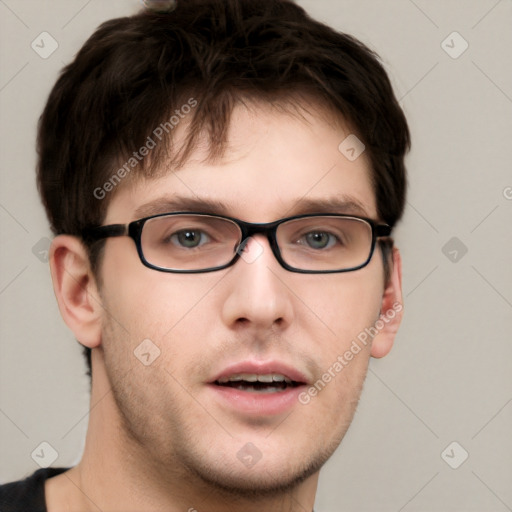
<point x="347" y="303"/>
<point x="146" y="300"/>
<point x="162" y="307"/>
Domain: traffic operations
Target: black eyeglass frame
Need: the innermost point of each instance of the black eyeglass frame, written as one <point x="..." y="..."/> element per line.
<point x="248" y="229"/>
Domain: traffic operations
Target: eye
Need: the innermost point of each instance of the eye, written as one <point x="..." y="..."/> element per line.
<point x="189" y="238"/>
<point x="320" y="239"/>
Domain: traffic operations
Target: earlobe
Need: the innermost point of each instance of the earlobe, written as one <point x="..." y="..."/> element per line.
<point x="391" y="310"/>
<point x="75" y="289"/>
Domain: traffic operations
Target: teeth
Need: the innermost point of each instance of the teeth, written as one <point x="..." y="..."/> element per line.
<point x="253" y="377"/>
<point x="265" y="378"/>
<point x="249" y="377"/>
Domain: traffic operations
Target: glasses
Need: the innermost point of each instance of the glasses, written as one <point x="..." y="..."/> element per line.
<point x="188" y="242"/>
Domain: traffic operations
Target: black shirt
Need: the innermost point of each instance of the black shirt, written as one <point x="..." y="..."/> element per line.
<point x="27" y="495"/>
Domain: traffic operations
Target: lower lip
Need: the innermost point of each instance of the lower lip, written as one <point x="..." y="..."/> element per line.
<point x="261" y="404"/>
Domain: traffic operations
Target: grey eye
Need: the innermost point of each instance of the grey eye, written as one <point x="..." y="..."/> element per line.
<point x="320" y="239"/>
<point x="189" y="238"/>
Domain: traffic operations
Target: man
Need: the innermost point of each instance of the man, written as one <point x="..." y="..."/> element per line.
<point x="222" y="179"/>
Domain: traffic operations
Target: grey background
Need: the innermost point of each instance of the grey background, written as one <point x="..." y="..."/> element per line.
<point x="448" y="377"/>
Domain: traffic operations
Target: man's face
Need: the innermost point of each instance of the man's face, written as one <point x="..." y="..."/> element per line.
<point x="253" y="317"/>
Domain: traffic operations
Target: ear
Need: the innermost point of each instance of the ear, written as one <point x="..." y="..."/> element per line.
<point x="391" y="310"/>
<point x="75" y="289"/>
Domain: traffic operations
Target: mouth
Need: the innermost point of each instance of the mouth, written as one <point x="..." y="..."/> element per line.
<point x="256" y="388"/>
<point x="258" y="383"/>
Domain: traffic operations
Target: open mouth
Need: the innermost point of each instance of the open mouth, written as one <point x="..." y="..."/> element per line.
<point x="254" y="383"/>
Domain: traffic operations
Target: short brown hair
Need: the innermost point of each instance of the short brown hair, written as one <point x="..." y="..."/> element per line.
<point x="134" y="72"/>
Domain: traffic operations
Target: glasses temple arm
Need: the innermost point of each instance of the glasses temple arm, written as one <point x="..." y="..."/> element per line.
<point x="100" y="232"/>
<point x="382" y="230"/>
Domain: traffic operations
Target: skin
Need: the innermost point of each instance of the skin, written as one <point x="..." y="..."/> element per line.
<point x="158" y="438"/>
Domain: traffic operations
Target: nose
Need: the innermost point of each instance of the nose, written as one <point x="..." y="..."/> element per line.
<point x="256" y="294"/>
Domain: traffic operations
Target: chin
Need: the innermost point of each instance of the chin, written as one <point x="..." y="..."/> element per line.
<point x="260" y="480"/>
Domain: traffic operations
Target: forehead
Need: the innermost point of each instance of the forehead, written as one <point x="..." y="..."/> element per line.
<point x="276" y="163"/>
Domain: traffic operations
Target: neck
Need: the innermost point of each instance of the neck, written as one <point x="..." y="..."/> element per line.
<point x="115" y="473"/>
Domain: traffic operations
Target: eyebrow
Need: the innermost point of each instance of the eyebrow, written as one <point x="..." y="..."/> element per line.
<point x="181" y="204"/>
<point x="339" y="204"/>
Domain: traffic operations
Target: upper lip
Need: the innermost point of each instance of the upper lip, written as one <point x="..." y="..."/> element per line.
<point x="262" y="368"/>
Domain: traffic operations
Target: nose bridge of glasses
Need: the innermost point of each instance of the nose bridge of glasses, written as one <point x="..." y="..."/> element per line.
<point x="267" y="232"/>
<point x="254" y="238"/>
